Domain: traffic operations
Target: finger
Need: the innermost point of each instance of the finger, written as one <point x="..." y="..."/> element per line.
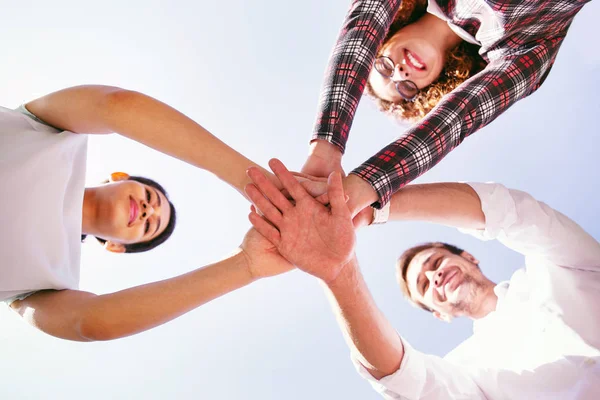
<point x="314" y="188"/>
<point x="269" y="189"/>
<point x="265" y="229"/>
<point x="337" y="198"/>
<point x="287" y="180"/>
<point x="323" y="199"/>
<point x="264" y="205"/>
<point x="300" y="175"/>
<point x="253" y="208"/>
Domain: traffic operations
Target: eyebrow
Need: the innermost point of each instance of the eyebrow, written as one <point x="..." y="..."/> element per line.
<point x="158" y="197"/>
<point x="157" y="225"/>
<point x="158" y="218"/>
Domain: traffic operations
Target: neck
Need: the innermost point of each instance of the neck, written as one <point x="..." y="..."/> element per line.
<point x="438" y="32"/>
<point x="488" y="302"/>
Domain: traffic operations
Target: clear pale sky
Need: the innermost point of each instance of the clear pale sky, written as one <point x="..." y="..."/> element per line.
<point x="250" y="72"/>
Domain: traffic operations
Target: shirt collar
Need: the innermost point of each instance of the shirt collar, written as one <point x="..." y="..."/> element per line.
<point x="500" y="290"/>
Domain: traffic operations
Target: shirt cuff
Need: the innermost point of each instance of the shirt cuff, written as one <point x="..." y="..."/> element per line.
<point x="405" y="383"/>
<point x="21" y="296"/>
<point x="498" y="208"/>
<point x="379" y="181"/>
<point x="331" y="138"/>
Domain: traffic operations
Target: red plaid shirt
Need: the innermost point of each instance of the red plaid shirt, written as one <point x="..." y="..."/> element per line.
<point x="519" y="54"/>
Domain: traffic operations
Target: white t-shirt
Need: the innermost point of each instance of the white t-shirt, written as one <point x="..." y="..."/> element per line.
<point x="42" y="178"/>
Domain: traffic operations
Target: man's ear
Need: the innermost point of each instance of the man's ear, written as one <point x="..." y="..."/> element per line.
<point x="118" y="176"/>
<point x="468" y="256"/>
<point x="114" y="247"/>
<point x="442" y="317"/>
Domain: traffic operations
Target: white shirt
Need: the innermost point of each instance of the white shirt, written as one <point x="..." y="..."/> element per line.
<point x="543" y="340"/>
<point x="42" y="180"/>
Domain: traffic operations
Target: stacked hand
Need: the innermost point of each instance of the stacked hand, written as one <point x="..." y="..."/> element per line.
<point x="317" y="239"/>
<point x="324" y="159"/>
<point x="262" y="256"/>
<point x="315" y="186"/>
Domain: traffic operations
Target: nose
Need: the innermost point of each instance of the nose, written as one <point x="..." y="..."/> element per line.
<point x="147" y="210"/>
<point x="400" y="73"/>
<point x="435" y="277"/>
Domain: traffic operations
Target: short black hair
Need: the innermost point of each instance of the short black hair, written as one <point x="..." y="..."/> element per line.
<point x="141" y="247"/>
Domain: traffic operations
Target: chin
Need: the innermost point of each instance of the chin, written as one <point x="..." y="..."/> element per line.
<point x="461" y="295"/>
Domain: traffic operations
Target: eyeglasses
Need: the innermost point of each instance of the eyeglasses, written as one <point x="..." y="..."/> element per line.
<point x="407" y="89"/>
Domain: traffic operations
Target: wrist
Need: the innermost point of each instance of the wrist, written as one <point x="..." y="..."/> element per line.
<point x="243" y="262"/>
<point x="325" y="150"/>
<point x="360" y="192"/>
<point x="345" y="278"/>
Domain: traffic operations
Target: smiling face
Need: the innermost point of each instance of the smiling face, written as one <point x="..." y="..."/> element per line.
<point x="416" y="58"/>
<point x="130" y="212"/>
<point x="450" y="284"/>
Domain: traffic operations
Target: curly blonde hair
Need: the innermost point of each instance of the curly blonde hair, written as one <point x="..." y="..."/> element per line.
<point x="462" y="62"/>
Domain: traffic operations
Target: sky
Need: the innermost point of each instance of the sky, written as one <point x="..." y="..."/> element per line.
<point x="250" y="72"/>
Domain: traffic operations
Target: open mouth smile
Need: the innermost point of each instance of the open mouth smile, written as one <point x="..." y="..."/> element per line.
<point x="414" y="61"/>
<point x="133" y="211"/>
<point x="450" y="280"/>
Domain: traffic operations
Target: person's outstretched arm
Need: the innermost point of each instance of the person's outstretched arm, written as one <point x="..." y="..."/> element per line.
<point x="352" y="57"/>
<point x="492" y="211"/>
<point x="320" y="241"/>
<point x="451" y="203"/>
<point x="83" y="316"/>
<point x="106" y="109"/>
<point x="468" y="108"/>
<point x="371" y="337"/>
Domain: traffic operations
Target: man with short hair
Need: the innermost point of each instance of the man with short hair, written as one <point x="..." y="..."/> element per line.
<point x="535" y="337"/>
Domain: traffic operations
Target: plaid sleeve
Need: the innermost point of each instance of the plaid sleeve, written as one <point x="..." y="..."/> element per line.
<point x="470" y="107"/>
<point x="364" y="29"/>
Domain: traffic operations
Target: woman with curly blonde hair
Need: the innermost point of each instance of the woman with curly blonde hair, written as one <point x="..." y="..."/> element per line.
<point x="450" y="66"/>
<point x="461" y="62"/>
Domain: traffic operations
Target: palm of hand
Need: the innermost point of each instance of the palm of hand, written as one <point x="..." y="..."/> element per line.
<point x="316" y="241"/>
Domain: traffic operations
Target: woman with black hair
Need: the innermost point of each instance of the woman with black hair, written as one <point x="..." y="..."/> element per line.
<point x="140" y="202"/>
<point x="46" y="209"/>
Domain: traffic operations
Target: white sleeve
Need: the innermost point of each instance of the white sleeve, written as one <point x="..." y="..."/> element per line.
<point x="23" y="110"/>
<point x="534" y="229"/>
<point x="423" y="377"/>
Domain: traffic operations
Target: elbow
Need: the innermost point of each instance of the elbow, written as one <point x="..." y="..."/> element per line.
<point x="95" y="330"/>
<point x="119" y="97"/>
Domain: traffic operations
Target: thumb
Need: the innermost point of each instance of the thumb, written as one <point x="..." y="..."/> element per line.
<point x="323" y="199"/>
<point x="337" y="199"/>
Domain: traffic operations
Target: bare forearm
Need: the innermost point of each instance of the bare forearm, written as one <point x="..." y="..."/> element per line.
<point x="453" y="204"/>
<point x="373" y="339"/>
<point x="103" y="109"/>
<point x="140" y="308"/>
<point x="163" y="128"/>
